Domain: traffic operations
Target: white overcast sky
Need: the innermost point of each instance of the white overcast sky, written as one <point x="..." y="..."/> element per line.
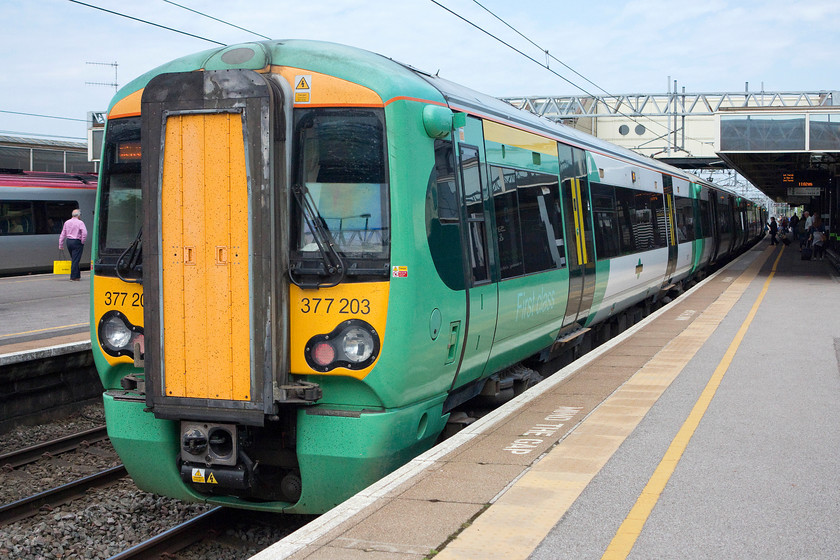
<point x="623" y="47"/>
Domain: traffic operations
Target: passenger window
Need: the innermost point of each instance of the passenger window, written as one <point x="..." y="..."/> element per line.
<point x="505" y="204"/>
<point x="474" y="203"/>
<point x="685" y="219"/>
<point x="649" y="227"/>
<point x="16" y="218"/>
<point x="641" y="220"/>
<point x="56" y="214"/>
<point x="447" y="197"/>
<point x="528" y="215"/>
<point x="625" y="209"/>
<point x="539" y="211"/>
<point x="606" y="221"/>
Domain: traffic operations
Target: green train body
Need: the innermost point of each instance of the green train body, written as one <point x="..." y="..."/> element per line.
<point x="306" y="255"/>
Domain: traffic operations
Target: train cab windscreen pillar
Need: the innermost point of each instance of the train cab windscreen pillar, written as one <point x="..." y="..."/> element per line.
<point x="121" y="201"/>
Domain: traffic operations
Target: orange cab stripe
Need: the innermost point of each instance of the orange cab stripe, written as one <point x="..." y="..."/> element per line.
<point x="418" y="99"/>
<point x="367" y="105"/>
<point x="321" y="90"/>
<point x="128" y="106"/>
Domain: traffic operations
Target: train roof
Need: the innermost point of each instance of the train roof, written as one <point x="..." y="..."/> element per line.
<point x="15" y="178"/>
<point x="391" y="79"/>
<point x="376" y="72"/>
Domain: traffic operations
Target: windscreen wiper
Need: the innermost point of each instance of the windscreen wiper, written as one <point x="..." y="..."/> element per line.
<point x="333" y="263"/>
<point x="131" y="260"/>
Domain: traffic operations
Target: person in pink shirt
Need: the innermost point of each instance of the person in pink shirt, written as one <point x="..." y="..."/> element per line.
<point x="74" y="233"/>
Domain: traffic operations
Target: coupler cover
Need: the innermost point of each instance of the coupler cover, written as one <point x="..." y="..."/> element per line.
<point x="207" y="478"/>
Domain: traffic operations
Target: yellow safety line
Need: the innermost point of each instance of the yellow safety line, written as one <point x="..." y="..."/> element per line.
<point x="37" y="278"/>
<point x="519" y="520"/>
<point x="44" y="330"/>
<point x="625" y="538"/>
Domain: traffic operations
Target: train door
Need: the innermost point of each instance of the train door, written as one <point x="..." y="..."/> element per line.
<point x="726" y="223"/>
<point x="481" y="293"/>
<point x="670" y="224"/>
<point x="208" y="350"/>
<point x="577" y="215"/>
<point x="715" y="228"/>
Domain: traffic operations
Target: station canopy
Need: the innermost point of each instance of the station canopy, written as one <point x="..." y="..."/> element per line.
<point x="789" y="156"/>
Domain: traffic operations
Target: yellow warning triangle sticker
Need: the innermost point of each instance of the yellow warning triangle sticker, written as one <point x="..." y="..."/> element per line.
<point x="211" y="479"/>
<point x="302" y="83"/>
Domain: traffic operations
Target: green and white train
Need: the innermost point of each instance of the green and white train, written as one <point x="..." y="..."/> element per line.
<point x="306" y="255"/>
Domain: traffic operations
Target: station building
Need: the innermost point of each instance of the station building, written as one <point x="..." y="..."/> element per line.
<point x="36" y="154"/>
<point x="785" y="144"/>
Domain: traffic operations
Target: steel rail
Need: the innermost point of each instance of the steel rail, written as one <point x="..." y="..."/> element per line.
<point x="27" y="507"/>
<point x="178" y="537"/>
<point x="32" y="453"/>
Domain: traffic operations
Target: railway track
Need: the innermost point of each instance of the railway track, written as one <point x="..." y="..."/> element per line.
<point x="20" y="457"/>
<point x="27" y="507"/>
<point x="179" y="537"/>
<point x="31" y="505"/>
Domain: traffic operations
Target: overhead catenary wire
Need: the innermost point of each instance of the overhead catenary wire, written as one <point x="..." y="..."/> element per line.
<point x="112" y="12"/>
<point x="464" y="19"/>
<point x="634" y="118"/>
<point x="146" y="22"/>
<point x="547" y="53"/>
<point x="127" y="17"/>
<point x="41" y="116"/>
<point x="511" y="47"/>
<point x="216" y="19"/>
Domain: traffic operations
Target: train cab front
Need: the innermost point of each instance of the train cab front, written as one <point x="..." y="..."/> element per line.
<point x="262" y="290"/>
<point x="216" y="337"/>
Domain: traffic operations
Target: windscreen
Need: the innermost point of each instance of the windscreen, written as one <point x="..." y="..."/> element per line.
<point x="341" y="167"/>
<point x="121" y="211"/>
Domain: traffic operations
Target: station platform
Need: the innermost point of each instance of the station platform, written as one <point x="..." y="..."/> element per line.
<point x="42" y="311"/>
<point x="708" y="430"/>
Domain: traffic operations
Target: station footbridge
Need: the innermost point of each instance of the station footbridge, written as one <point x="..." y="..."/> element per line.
<point x="785" y="144"/>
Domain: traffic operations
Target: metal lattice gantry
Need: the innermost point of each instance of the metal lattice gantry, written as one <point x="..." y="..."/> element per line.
<point x="759" y="134"/>
<point x="668" y="104"/>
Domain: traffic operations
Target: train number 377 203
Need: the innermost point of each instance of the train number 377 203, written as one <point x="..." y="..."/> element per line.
<point x="343" y="305"/>
<point x="121" y="299"/>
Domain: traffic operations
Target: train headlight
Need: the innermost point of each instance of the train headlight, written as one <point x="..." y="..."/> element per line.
<point x="117" y="335"/>
<point x="358" y="344"/>
<point x="354" y="344"/>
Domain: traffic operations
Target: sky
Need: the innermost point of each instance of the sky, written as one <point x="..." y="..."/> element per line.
<point x="638" y="46"/>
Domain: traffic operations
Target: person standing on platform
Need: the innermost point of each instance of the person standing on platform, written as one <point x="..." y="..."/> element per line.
<point x="794" y="221"/>
<point x="818" y="238"/>
<point x="74" y="233"/>
<point x="805" y="226"/>
<point x="774" y="229"/>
